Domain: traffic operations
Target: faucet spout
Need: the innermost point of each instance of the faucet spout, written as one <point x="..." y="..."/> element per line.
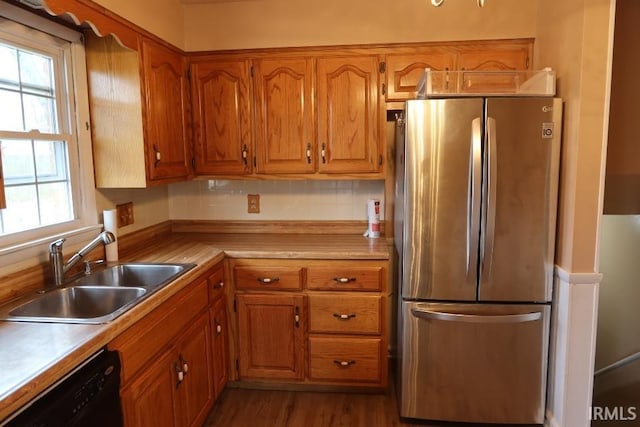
<point x="55" y="254"/>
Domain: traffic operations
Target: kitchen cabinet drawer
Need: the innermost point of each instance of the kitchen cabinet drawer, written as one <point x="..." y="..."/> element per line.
<point x="268" y="278"/>
<point x="345" y="277"/>
<point x="345" y="359"/>
<point x="352" y="314"/>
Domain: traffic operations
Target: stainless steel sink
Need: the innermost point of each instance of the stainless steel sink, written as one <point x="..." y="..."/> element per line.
<point x="78" y="304"/>
<point x="144" y="275"/>
<point x="98" y="297"/>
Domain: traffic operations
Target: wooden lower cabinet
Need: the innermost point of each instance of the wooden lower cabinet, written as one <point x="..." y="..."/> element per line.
<point x="326" y="325"/>
<point x="177" y="386"/>
<point x="272" y="333"/>
<point x="174" y="360"/>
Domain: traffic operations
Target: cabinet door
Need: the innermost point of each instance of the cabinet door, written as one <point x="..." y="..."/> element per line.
<point x="492" y="58"/>
<point x="222" y="117"/>
<point x="148" y="401"/>
<point x="165" y="118"/>
<point x="348" y="114"/>
<point x="219" y="345"/>
<point x="271" y="336"/>
<point x="404" y="71"/>
<point x="284" y="115"/>
<point x="195" y="391"/>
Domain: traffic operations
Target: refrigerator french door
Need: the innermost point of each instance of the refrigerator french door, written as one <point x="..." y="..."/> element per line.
<point x="476" y="197"/>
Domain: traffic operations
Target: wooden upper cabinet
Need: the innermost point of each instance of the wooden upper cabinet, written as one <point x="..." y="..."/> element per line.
<point x="496" y="57"/>
<point x="166" y="98"/>
<point x="138" y="104"/>
<point x="284" y="115"/>
<point x="348" y="114"/>
<point x="222" y="117"/>
<point x="405" y="70"/>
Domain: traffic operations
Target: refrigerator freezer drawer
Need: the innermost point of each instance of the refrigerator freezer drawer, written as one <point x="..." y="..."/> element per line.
<point x="474" y="362"/>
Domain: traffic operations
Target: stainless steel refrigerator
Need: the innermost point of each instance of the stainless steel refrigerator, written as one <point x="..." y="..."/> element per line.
<point x="475" y="219"/>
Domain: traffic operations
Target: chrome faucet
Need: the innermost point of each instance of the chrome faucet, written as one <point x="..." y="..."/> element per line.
<point x="57" y="262"/>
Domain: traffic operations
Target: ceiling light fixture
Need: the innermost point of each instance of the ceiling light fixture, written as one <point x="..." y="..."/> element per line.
<point x="438" y="3"/>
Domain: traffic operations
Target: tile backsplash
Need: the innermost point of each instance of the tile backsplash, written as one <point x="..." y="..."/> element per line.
<point x="279" y="200"/>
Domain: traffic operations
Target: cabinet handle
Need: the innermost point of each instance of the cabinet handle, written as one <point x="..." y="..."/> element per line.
<point x="185" y="365"/>
<point x="344" y="363"/>
<point x="344" y="279"/>
<point x="296" y="317"/>
<point x="344" y="316"/>
<point x="323" y="153"/>
<point x="179" y="372"/>
<point x="267" y="280"/>
<point x="157" y="156"/>
<point x="244" y="154"/>
<point x="309" y="153"/>
<point x="218" y="328"/>
<point x="219" y="285"/>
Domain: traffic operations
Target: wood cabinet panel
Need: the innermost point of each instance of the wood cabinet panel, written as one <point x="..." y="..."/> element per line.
<point x="138" y="344"/>
<point x="166" y="106"/>
<point x="345" y="359"/>
<point x="345" y="276"/>
<point x="404" y="71"/>
<point x="219" y="345"/>
<point x="284" y="115"/>
<point x="148" y="401"/>
<point x="195" y="392"/>
<point x="348" y="117"/>
<point x="268" y="278"/>
<point x="222" y="100"/>
<point x="271" y="330"/>
<point x="350" y="314"/>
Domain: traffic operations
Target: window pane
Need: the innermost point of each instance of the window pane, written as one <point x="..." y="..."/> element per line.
<point x="10" y="111"/>
<point x="9" y="69"/>
<point x="39" y="113"/>
<point x="51" y="160"/>
<point x="55" y="203"/>
<point x="17" y="161"/>
<point x="35" y="73"/>
<point x="22" y="209"/>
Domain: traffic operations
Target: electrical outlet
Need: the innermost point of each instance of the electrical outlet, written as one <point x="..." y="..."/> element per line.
<point x="125" y="214"/>
<point x="253" y="203"/>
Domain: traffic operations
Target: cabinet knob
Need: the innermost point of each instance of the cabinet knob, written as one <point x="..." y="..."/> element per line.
<point x="179" y="373"/>
<point x="309" y="153"/>
<point x="185" y="365"/>
<point x="344" y="363"/>
<point x="219" y="285"/>
<point x="323" y="153"/>
<point x="267" y="280"/>
<point x="244" y="154"/>
<point x="219" y="329"/>
<point x="157" y="156"/>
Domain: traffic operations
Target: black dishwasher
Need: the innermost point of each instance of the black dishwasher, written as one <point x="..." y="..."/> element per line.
<point x="88" y="396"/>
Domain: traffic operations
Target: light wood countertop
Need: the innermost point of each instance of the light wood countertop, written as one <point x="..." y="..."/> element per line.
<point x="36" y="355"/>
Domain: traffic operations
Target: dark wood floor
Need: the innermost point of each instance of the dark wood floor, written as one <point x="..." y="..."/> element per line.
<point x="267" y="408"/>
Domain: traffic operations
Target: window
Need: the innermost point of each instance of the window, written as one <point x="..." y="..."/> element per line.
<point x="47" y="167"/>
<point x="33" y="135"/>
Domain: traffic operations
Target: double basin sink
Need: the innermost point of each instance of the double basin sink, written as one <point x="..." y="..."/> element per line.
<point x="98" y="297"/>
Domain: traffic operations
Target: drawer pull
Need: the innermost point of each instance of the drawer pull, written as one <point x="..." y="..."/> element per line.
<point x="344" y="316"/>
<point x="344" y="279"/>
<point x="344" y="363"/>
<point x="267" y="280"/>
<point x="219" y="285"/>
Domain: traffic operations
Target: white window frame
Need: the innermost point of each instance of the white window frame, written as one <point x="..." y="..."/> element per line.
<point x="31" y="246"/>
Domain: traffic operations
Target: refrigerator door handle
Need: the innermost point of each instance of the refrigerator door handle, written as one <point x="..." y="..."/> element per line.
<point x="474" y="318"/>
<point x="473" y="201"/>
<point x="490" y="216"/>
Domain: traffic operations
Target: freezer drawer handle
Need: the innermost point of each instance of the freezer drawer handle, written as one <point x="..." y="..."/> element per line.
<point x="344" y="316"/>
<point x="472" y="318"/>
<point x="344" y="363"/>
<point x="344" y="279"/>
